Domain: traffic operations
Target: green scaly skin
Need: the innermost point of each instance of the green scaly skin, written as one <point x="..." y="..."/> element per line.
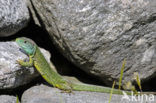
<point x="37" y="59"/>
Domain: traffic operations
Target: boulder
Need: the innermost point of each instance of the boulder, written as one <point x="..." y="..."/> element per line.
<point x="7" y="99"/>
<point x="97" y="35"/>
<point x="46" y="94"/>
<point x="14" y="16"/>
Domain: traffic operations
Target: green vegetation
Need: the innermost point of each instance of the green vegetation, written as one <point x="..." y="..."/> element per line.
<point x="128" y="85"/>
<point x="121" y="73"/>
<point x="17" y="99"/>
<point x="111" y="91"/>
<point x="137" y="79"/>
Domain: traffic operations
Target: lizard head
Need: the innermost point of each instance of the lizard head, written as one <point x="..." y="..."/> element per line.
<point x="26" y="45"/>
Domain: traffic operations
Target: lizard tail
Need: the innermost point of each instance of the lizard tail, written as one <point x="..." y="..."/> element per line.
<point x="93" y="88"/>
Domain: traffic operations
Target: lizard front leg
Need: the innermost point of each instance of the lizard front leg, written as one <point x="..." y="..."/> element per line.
<point x="30" y="63"/>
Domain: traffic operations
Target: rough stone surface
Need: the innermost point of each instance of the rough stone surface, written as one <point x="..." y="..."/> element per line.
<point x="12" y="74"/>
<point x="7" y="99"/>
<point x="14" y="16"/>
<point x="45" y="94"/>
<point x="97" y="35"/>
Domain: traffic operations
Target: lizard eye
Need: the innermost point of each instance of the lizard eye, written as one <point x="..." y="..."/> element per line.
<point x="25" y="41"/>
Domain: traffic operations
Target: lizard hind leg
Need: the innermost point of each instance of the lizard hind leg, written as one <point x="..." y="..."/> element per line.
<point x="65" y="87"/>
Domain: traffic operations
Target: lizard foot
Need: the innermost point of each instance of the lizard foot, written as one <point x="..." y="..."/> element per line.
<point x="65" y="87"/>
<point x="19" y="61"/>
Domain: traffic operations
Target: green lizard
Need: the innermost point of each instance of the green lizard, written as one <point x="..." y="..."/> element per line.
<point x="37" y="60"/>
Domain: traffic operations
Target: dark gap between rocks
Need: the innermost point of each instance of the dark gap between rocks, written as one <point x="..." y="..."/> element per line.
<point x="150" y="85"/>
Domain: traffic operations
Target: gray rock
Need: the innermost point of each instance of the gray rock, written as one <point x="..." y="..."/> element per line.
<point x="14" y="16"/>
<point x="97" y="35"/>
<point x="7" y="99"/>
<point x="45" y="94"/>
<point x="12" y="74"/>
